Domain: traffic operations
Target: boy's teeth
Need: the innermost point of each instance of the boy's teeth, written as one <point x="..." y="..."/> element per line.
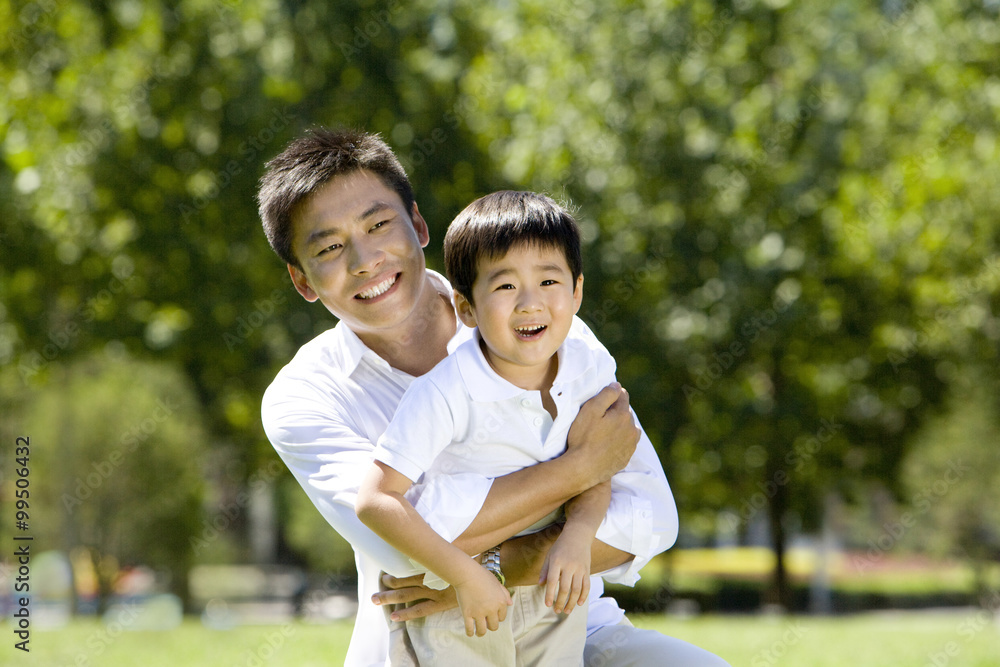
<point x="378" y="289"/>
<point x="529" y="330"/>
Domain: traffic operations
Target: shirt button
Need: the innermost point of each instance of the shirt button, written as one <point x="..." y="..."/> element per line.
<point x="526" y="402"/>
<point x="538" y="421"/>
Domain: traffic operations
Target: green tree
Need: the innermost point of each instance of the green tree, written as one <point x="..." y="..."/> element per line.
<point x="115" y="451"/>
<point x="781" y="200"/>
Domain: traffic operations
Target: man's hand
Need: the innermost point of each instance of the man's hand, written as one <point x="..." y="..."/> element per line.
<point x="411" y="589"/>
<point x="603" y="435"/>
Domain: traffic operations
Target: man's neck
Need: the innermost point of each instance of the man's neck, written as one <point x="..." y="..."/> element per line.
<point x="421" y="341"/>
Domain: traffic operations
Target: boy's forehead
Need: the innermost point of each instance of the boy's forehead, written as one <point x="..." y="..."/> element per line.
<point x="534" y="253"/>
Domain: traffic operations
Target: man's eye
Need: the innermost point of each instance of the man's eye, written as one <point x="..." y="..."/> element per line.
<point x="330" y="248"/>
<point x="379" y="225"/>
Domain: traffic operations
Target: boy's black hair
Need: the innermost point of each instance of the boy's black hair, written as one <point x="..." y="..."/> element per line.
<point x="307" y="164"/>
<point x="490" y="226"/>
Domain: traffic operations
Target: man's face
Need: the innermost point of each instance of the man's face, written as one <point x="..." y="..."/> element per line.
<point x="524" y="307"/>
<point x="361" y="252"/>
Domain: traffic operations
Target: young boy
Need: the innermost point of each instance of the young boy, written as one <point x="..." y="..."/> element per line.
<point x="502" y="401"/>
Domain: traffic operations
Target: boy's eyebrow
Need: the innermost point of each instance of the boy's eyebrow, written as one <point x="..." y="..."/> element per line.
<point x="497" y="273"/>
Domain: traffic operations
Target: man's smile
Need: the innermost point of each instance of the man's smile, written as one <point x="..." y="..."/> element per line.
<point x="379" y="289"/>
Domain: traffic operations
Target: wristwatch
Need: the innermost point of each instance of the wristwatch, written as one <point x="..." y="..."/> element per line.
<point x="490" y="559"/>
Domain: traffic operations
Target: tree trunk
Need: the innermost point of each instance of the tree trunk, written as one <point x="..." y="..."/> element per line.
<point x="779" y="594"/>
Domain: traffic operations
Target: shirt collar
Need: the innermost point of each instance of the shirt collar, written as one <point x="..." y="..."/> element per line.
<point x="484" y="384"/>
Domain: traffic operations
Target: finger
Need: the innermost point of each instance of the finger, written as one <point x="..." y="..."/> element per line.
<point x="502" y="614"/>
<point x="551" y="588"/>
<point x="480" y="626"/>
<point x="606" y="397"/>
<point x="399" y="596"/>
<point x="390" y="581"/>
<point x="421" y="610"/>
<point x="470" y="626"/>
<point x="544" y="574"/>
<point x="493" y="622"/>
<point x="584" y="592"/>
<point x="565" y="590"/>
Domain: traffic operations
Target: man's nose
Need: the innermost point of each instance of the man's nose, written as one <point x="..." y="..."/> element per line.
<point x="366" y="256"/>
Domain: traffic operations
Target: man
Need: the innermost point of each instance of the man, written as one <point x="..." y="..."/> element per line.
<point x="338" y="209"/>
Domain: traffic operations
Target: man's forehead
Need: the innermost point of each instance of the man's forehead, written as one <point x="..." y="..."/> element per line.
<point x="344" y="199"/>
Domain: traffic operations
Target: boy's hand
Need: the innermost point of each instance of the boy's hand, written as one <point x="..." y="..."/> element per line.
<point x="604" y="434"/>
<point x="483" y="601"/>
<point x="566" y="571"/>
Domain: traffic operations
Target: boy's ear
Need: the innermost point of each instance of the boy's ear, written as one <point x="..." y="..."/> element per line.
<point x="465" y="311"/>
<point x="302" y="283"/>
<point x="578" y="294"/>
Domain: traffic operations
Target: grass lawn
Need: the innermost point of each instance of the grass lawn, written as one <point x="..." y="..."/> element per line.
<point x="965" y="638"/>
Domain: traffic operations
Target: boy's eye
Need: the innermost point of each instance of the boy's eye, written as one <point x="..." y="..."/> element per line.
<point x="549" y="282"/>
<point x="505" y="286"/>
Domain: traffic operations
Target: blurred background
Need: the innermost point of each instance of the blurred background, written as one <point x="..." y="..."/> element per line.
<point x="792" y="250"/>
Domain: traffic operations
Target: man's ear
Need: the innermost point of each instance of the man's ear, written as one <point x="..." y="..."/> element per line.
<point x="420" y="225"/>
<point x="465" y="311"/>
<point x="301" y="283"/>
<point x="578" y="294"/>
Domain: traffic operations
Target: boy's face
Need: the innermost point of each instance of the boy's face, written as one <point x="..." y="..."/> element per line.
<point x="361" y="252"/>
<point x="524" y="306"/>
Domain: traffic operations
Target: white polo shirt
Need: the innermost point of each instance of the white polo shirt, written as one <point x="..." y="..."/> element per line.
<point x="328" y="407"/>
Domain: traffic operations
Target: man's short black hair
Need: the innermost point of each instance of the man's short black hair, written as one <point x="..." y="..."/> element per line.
<point x="491" y="226"/>
<point x="307" y="164"/>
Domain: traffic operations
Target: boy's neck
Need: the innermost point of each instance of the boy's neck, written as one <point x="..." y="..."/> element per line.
<point x="421" y="342"/>
<point x="535" y="378"/>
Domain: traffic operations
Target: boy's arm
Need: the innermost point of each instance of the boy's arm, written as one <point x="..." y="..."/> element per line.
<point x="566" y="571"/>
<point x="382" y="507"/>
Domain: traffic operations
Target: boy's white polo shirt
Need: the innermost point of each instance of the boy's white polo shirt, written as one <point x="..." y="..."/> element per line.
<point x="462" y="419"/>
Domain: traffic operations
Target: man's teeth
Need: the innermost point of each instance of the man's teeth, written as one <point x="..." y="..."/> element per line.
<point x="378" y="289"/>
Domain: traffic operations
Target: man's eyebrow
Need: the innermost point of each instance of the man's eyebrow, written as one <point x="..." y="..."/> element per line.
<point x="376" y="207"/>
<point x="319" y="234"/>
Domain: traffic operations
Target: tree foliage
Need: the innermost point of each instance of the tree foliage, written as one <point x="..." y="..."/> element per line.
<point x="788" y="207"/>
